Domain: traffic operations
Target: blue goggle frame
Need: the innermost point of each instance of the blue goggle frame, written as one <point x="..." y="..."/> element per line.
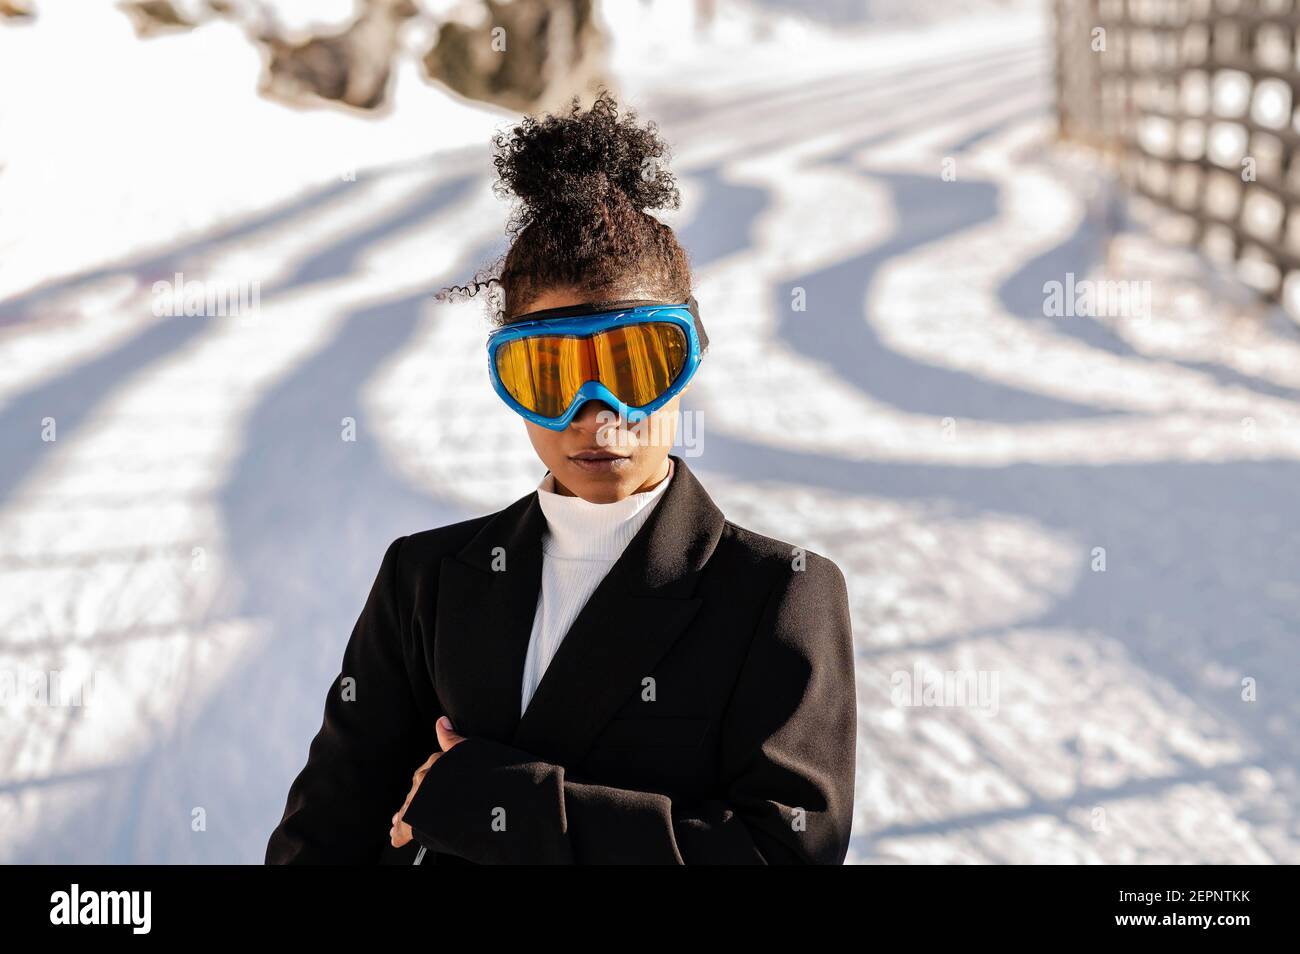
<point x="578" y="321"/>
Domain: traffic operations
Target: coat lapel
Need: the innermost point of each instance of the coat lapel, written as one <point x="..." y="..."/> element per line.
<point x="485" y="615"/>
<point x="485" y="620"/>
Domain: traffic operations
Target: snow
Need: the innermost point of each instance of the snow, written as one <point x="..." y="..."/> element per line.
<point x="1097" y="511"/>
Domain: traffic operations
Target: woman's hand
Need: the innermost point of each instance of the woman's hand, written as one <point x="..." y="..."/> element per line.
<point x="400" y="834"/>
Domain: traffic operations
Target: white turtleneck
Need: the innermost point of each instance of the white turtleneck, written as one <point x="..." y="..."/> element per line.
<point x="582" y="540"/>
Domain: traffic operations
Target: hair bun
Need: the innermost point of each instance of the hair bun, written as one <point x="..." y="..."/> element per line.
<point x="583" y="161"/>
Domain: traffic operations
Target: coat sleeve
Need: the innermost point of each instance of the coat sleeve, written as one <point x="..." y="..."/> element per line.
<point x="787" y="755"/>
<point x="361" y="761"/>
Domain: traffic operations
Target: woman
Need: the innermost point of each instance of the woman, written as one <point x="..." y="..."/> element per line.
<point x="607" y="670"/>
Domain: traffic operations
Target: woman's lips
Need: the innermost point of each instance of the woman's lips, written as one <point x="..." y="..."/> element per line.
<point x="599" y="462"/>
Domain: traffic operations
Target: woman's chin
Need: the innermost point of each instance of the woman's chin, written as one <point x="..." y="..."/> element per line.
<point x="600" y="484"/>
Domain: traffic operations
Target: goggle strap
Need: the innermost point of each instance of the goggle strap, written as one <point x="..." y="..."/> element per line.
<point x="694" y="308"/>
<point x="589" y="308"/>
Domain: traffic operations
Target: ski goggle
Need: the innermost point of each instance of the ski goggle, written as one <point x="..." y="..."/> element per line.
<point x="633" y="355"/>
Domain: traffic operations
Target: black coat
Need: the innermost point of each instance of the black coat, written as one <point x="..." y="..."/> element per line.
<point x="701" y="709"/>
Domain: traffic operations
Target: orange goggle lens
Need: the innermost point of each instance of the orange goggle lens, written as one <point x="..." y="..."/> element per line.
<point x="636" y="362"/>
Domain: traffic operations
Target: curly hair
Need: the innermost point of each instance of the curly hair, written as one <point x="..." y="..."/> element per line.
<point x="584" y="182"/>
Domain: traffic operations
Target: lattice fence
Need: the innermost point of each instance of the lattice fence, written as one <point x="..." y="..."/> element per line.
<point x="1197" y="101"/>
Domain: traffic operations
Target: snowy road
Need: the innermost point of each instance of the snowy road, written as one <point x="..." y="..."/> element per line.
<point x="201" y="534"/>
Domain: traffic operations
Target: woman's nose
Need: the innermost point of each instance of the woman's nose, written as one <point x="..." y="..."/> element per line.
<point x="594" y="414"/>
